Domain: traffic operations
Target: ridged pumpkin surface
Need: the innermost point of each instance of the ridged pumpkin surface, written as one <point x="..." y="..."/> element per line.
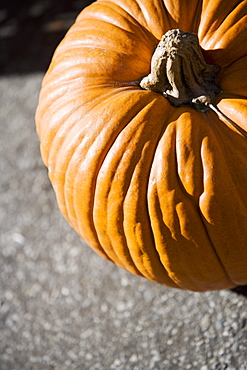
<point x="158" y="190"/>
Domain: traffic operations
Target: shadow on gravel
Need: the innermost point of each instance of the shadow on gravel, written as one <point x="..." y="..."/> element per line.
<point x="30" y="30"/>
<point x="241" y="290"/>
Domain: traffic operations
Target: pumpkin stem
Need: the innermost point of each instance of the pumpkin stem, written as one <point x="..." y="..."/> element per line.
<point x="180" y="72"/>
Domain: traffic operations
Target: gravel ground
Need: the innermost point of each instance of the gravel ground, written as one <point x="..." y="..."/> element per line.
<point x="63" y="307"/>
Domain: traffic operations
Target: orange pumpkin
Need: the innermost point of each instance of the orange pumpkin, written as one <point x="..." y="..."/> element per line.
<point x="159" y="190"/>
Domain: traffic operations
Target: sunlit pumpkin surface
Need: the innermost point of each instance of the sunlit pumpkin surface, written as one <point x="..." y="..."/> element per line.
<point x="160" y="191"/>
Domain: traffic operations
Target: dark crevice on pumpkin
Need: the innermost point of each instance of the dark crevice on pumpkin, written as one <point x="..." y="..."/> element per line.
<point x="226" y="119"/>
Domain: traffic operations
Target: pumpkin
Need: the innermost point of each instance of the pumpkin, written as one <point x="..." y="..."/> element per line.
<point x="157" y="187"/>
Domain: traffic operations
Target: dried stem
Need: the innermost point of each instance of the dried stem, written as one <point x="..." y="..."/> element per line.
<point x="180" y="73"/>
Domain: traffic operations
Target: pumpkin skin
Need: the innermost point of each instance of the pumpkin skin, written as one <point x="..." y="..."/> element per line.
<point x="160" y="191"/>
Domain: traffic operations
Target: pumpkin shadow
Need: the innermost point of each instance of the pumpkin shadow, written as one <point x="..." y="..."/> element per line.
<point x="240" y="290"/>
<point x="30" y="30"/>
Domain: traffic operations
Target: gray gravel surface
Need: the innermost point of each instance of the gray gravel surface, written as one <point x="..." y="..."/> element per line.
<point x="63" y="307"/>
